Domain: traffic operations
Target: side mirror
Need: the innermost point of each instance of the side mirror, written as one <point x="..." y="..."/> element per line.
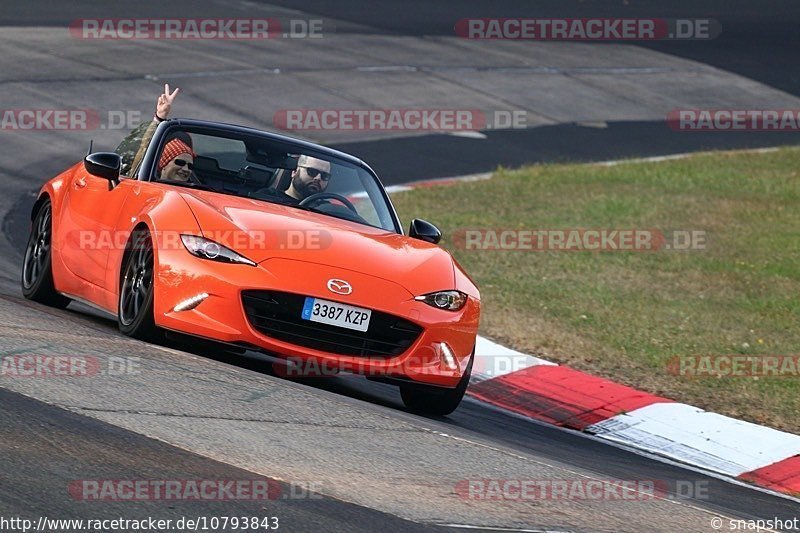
<point x="424" y="231"/>
<point x="105" y="165"/>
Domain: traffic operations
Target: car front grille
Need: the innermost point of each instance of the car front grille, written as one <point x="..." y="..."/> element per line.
<point x="277" y="315"/>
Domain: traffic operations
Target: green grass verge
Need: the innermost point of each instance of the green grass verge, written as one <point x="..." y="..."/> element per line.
<point x="624" y="315"/>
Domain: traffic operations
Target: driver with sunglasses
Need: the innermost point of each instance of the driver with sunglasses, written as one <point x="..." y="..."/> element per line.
<point x="310" y="177"/>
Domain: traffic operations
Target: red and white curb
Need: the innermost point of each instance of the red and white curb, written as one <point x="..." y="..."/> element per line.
<point x="559" y="395"/>
<point x="565" y="397"/>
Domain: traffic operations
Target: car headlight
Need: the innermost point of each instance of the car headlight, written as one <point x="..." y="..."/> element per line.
<point x="450" y="300"/>
<point x="208" y="249"/>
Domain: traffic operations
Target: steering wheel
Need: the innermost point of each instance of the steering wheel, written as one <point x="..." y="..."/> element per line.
<point x="315" y="198"/>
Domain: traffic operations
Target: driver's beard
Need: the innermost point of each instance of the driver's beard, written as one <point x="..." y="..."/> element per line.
<point x="304" y="188"/>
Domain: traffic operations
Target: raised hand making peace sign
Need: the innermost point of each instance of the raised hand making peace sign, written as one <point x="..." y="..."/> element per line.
<point x="164" y="104"/>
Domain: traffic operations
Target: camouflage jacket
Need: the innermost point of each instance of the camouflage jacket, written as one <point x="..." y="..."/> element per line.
<point x="133" y="147"/>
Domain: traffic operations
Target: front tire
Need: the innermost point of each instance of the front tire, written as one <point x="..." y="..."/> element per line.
<point x="37" y="266"/>
<point x="430" y="400"/>
<point x="135" y="310"/>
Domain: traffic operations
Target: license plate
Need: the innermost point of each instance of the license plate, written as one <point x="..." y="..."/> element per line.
<point x="336" y="314"/>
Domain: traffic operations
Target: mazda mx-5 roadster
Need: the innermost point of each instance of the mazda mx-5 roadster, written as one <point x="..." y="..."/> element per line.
<point x="263" y="242"/>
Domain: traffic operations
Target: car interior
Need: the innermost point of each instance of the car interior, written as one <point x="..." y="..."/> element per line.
<point x="257" y="169"/>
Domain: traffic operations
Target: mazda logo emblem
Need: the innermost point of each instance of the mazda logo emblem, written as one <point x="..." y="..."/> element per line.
<point x="339" y="286"/>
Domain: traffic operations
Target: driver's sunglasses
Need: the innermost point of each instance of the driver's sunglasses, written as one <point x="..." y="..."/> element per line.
<point x="183" y="162"/>
<point x="314" y="172"/>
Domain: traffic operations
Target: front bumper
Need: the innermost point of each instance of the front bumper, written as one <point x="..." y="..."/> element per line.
<point x="438" y="356"/>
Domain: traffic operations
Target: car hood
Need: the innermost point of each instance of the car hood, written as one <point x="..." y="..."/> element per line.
<point x="261" y="230"/>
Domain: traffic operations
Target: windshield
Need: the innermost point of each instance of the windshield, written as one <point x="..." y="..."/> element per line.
<point x="273" y="171"/>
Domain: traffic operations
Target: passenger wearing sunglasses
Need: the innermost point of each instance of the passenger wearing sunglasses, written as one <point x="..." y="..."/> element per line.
<point x="310" y="177"/>
<point x="176" y="162"/>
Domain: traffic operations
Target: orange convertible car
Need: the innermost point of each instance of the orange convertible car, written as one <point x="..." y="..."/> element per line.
<point x="264" y="242"/>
